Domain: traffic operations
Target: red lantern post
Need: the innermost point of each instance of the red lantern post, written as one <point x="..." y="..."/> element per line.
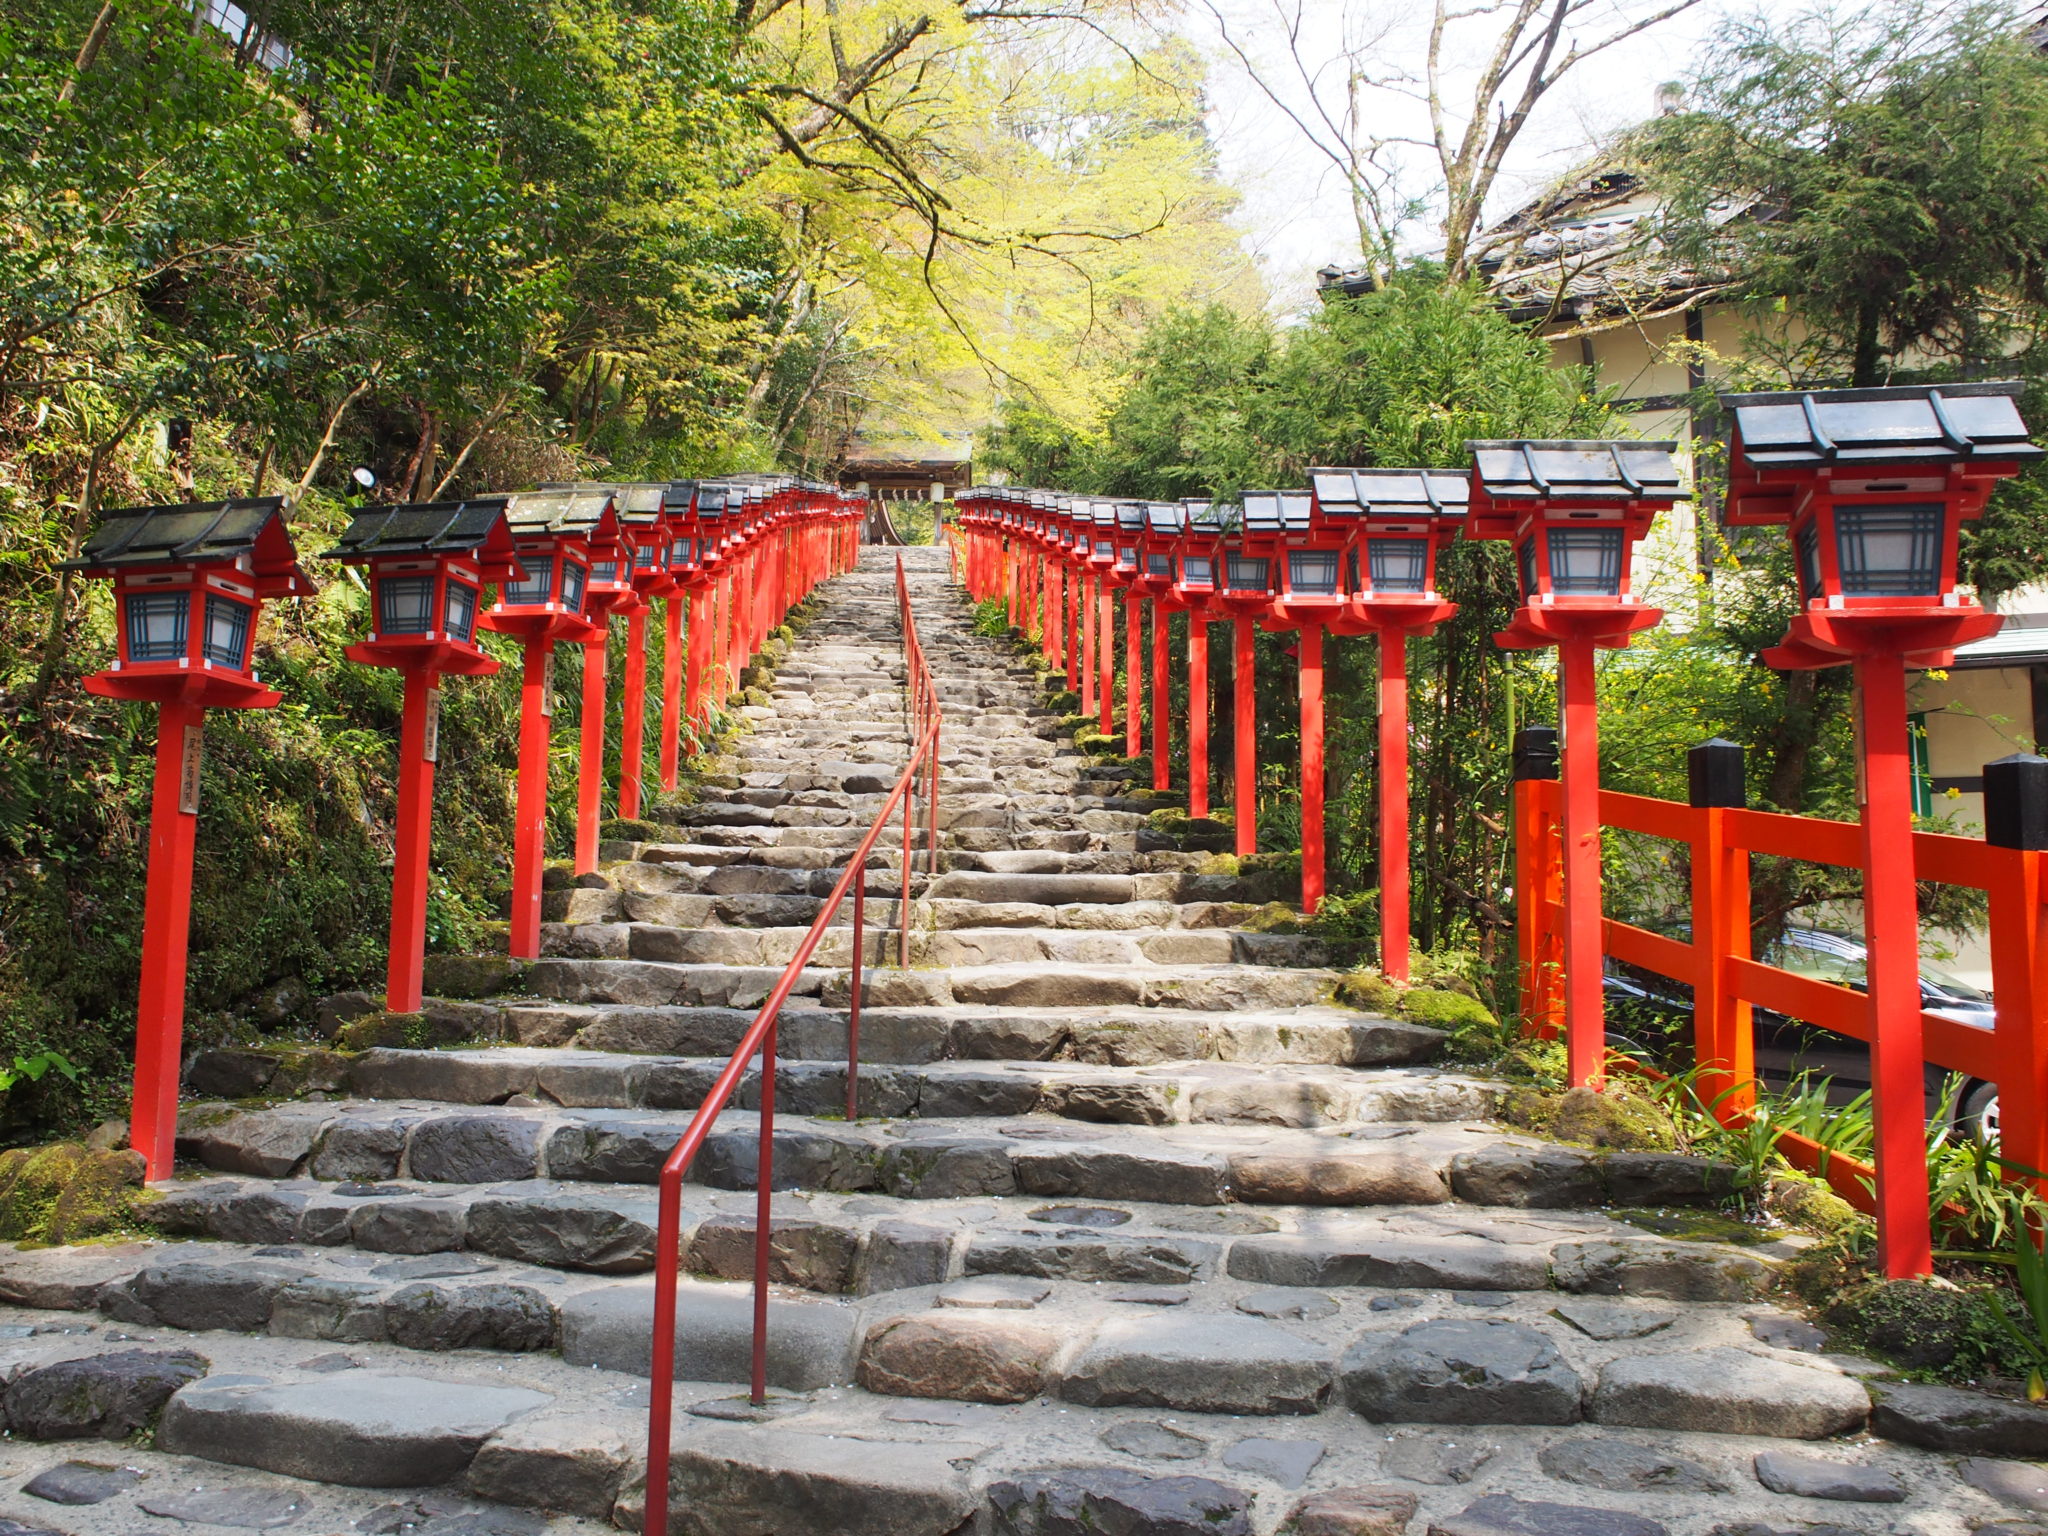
<point x="428" y="564"/>
<point x="1246" y="595"/>
<point x="610" y="591"/>
<point x="553" y="534"/>
<point x="1126" y="575"/>
<point x="1575" y="511"/>
<point x="679" y="508"/>
<point x="1155" y="581"/>
<point x="1874" y="485"/>
<point x="1401" y="518"/>
<point x="189" y="583"/>
<point x="1198" y="553"/>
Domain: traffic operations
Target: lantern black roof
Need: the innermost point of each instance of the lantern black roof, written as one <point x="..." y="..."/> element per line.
<point x="1917" y="422"/>
<point x="638" y="501"/>
<point x="1391" y="492"/>
<point x="678" y="496"/>
<point x="1599" y="469"/>
<point x="1130" y="515"/>
<point x="426" y="528"/>
<point x="1166" y="516"/>
<point x="1102" y="513"/>
<point x="198" y="533"/>
<point x="1276" y="511"/>
<point x="582" y="511"/>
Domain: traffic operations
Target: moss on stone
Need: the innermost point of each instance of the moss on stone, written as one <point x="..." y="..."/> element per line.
<point x="1368" y="991"/>
<point x="1614" y="1118"/>
<point x="1810" y="1205"/>
<point x="1924" y="1325"/>
<point x="621" y="830"/>
<point x="1273" y="917"/>
<point x="1217" y="864"/>
<point x="1441" y="1009"/>
<point x="1096" y="744"/>
<point x="68" y="1192"/>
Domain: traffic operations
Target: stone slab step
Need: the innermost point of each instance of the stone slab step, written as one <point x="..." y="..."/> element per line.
<point x="971" y="1032"/>
<point x="590" y="966"/>
<point x="849" y="1460"/>
<point x="1409" y="1164"/>
<point x="1223" y="1093"/>
<point x="949" y="948"/>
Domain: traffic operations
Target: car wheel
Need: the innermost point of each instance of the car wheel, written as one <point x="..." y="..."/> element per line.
<point x="1978" y="1112"/>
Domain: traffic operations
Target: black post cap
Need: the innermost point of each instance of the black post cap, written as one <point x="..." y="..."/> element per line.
<point x="2016" y="802"/>
<point x="1714" y="777"/>
<point x="1536" y="752"/>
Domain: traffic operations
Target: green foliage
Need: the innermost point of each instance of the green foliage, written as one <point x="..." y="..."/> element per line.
<point x="1451" y="1011"/>
<point x="2029" y="1332"/>
<point x="991" y="618"/>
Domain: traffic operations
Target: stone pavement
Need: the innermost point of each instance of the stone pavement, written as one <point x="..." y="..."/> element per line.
<point x="1138" y="1231"/>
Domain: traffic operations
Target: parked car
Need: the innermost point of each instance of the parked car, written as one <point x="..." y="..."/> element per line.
<point x="1650" y="1015"/>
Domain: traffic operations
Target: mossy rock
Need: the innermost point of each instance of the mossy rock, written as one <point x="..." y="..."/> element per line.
<point x="621" y="829"/>
<point x="1270" y="876"/>
<point x="560" y="875"/>
<point x="409" y="1031"/>
<point x="1095" y="744"/>
<point x="1442" y="1009"/>
<point x="1224" y="864"/>
<point x="69" y="1192"/>
<point x="758" y="697"/>
<point x="1065" y="702"/>
<point x="1614" y="1118"/>
<point x="1923" y="1325"/>
<point x="1813" y="1207"/>
<point x="472" y="975"/>
<point x="1369" y="992"/>
<point x="1274" y="917"/>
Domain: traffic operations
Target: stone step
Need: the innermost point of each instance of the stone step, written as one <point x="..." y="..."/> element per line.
<point x="1112" y="1036"/>
<point x="1183" y="1093"/>
<point x="995" y="1327"/>
<point x="302" y="1431"/>
<point x="856" y="1243"/>
<point x="587" y="965"/>
<point x="1407" y="1163"/>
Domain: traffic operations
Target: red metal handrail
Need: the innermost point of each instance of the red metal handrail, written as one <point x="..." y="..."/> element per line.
<point x="921" y="708"/>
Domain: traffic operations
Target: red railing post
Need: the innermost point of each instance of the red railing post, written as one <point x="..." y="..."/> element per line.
<point x="1245" y="792"/>
<point x="1393" y="786"/>
<point x="1891" y="928"/>
<point x="2015" y="832"/>
<point x="1134" y="672"/>
<point x="1310" y="686"/>
<point x="1162" y="700"/>
<point x="860" y="914"/>
<point x="1538" y="882"/>
<point x="1198" y="713"/>
<point x="764" y="1195"/>
<point x="1724" y="1043"/>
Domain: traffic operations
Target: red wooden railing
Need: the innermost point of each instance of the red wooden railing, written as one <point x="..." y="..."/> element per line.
<point x="924" y="719"/>
<point x="1728" y="982"/>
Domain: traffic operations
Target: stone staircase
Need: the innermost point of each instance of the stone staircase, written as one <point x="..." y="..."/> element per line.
<point x="1137" y="1230"/>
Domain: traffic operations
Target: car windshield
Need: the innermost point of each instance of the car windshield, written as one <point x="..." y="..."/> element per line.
<point x="1838" y="958"/>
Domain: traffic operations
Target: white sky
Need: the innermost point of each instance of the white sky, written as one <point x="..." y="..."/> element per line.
<point x="1297" y="215"/>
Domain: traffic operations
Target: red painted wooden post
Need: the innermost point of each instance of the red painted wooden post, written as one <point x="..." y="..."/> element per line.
<point x="673" y="705"/>
<point x="530" y="816"/>
<point x="1891" y="927"/>
<point x="1724" y="1042"/>
<point x="412" y="836"/>
<point x="1162" y="700"/>
<point x="1198" y="713"/>
<point x="1539" y="883"/>
<point x="1245" y="789"/>
<point x="1073" y="632"/>
<point x="1311" y="685"/>
<point x="1585" y="1026"/>
<point x="166" y="933"/>
<point x="1134" y="673"/>
<point x="1393" y="798"/>
<point x="2019" y="968"/>
<point x="1087" y="606"/>
<point x="631" y="727"/>
<point x="590" y="769"/>
<point x="1105" y="655"/>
